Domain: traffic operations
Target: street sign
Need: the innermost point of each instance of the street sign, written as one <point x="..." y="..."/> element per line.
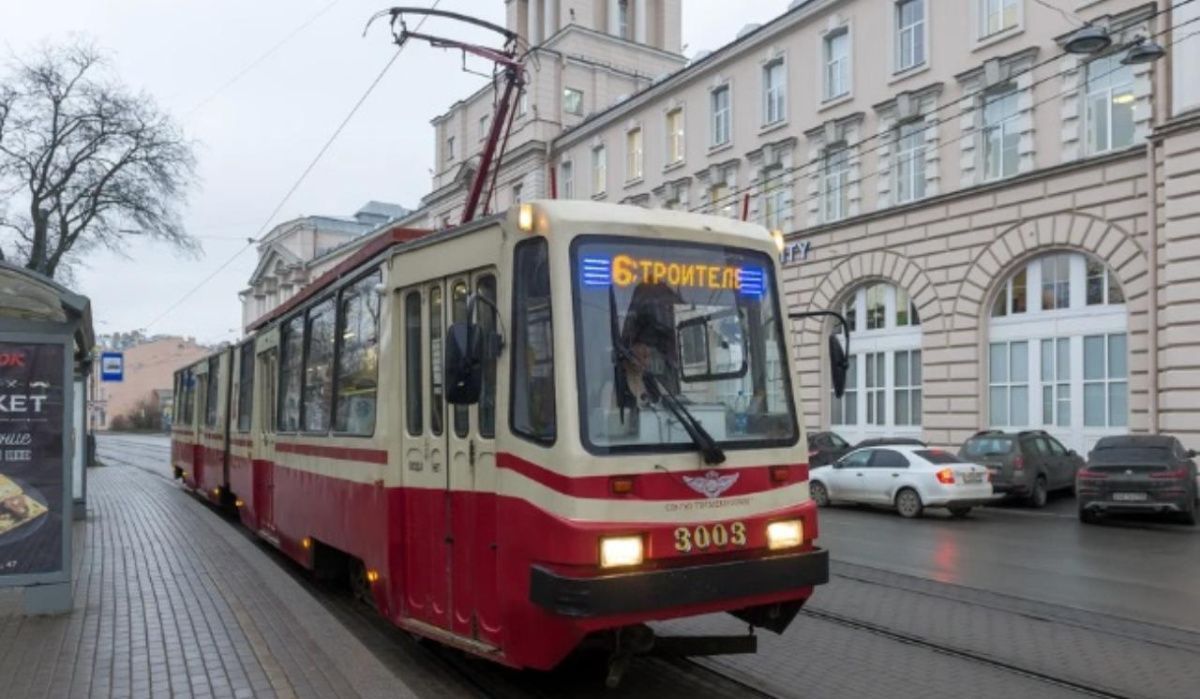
<point x="112" y="366"/>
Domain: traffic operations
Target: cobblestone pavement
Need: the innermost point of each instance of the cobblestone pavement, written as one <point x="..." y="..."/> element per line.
<point x="171" y="601"/>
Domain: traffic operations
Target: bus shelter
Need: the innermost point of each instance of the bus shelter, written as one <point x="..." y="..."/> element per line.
<point x="46" y="340"/>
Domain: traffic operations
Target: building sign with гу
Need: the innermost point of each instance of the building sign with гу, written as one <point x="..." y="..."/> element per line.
<point x="33" y="491"/>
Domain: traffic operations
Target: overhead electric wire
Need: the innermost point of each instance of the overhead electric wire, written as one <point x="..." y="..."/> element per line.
<point x="735" y="194"/>
<point x="296" y="185"/>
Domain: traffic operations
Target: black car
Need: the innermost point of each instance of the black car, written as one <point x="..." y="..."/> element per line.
<point x="890" y="441"/>
<point x="1138" y="473"/>
<point x="825" y="447"/>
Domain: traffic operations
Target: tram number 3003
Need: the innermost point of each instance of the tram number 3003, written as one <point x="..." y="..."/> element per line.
<point x="699" y="538"/>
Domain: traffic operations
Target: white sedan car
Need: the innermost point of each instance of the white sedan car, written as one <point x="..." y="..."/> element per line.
<point x="909" y="478"/>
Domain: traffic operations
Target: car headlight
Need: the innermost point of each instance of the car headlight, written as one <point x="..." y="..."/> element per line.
<point x="617" y="551"/>
<point x="785" y="534"/>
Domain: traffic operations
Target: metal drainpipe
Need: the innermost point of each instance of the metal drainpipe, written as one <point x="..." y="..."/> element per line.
<point x="1152" y="244"/>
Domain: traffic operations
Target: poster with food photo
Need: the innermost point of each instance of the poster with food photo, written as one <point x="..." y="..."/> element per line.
<point x="31" y="457"/>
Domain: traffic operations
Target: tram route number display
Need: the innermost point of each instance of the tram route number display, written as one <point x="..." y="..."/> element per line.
<point x="704" y="537"/>
<point x="32" y="489"/>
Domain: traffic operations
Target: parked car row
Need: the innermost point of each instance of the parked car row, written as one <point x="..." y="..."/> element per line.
<point x="1135" y="473"/>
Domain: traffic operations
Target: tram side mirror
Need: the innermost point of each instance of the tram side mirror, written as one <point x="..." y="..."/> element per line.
<point x="464" y="370"/>
<point x="838" y="365"/>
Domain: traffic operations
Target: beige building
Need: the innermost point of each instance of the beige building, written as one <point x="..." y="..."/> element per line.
<point x="149" y="370"/>
<point x="296" y="252"/>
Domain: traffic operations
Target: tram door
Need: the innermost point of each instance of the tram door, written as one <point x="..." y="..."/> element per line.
<point x="262" y="468"/>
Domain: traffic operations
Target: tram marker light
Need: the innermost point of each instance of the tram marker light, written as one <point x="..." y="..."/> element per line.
<point x="781" y="473"/>
<point x="780" y="243"/>
<point x="618" y="551"/>
<point x="372" y="576"/>
<point x="306" y="543"/>
<point x="238" y="503"/>
<point x="785" y="535"/>
<point x="525" y="218"/>
<point x="621" y="485"/>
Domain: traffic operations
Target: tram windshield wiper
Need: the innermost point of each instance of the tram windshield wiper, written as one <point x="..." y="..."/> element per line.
<point x="709" y="449"/>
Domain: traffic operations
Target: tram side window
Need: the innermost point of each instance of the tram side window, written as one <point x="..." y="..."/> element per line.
<point x="458" y="300"/>
<point x="245" y="386"/>
<point x="486" y="288"/>
<point x="185" y="407"/>
<point x="210" y="392"/>
<point x="357" y="358"/>
<point x="290" y="343"/>
<point x="532" y="407"/>
<point x="412" y="358"/>
<point x="435" y="360"/>
<point x="318" y="367"/>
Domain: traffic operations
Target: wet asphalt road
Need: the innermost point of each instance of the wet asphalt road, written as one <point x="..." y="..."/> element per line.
<point x="1133" y="567"/>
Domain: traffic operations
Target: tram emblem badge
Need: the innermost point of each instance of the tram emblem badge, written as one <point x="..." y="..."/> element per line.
<point x="712" y="484"/>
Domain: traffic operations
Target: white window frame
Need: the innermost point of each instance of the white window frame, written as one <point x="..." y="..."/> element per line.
<point x="1108" y="380"/>
<point x="835" y="183"/>
<point x="1111" y="293"/>
<point x="720" y="116"/>
<point x="836" y="80"/>
<point x="1055" y="381"/>
<point x="911" y="182"/>
<point x="907" y="390"/>
<point x="774" y="198"/>
<point x="1006" y="126"/>
<point x="449" y="148"/>
<point x="916" y="35"/>
<point x="1125" y="89"/>
<point x="986" y="9"/>
<point x="566" y="179"/>
<point x="483" y="126"/>
<point x="516" y="193"/>
<point x="599" y="171"/>
<point x="676" y="136"/>
<point x="1009" y="384"/>
<point x="847" y="406"/>
<point x="634" y="155"/>
<point x="623" y="25"/>
<point x="568" y="93"/>
<point x="774" y="93"/>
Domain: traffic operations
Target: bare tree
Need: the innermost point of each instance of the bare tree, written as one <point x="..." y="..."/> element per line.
<point x="84" y="162"/>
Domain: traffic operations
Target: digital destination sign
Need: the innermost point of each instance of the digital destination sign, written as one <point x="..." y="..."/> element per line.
<point x="627" y="270"/>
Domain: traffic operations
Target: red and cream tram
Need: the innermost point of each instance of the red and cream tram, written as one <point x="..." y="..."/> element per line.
<point x="530" y="430"/>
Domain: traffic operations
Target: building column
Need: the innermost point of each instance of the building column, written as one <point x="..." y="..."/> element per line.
<point x="614" y="17"/>
<point x="534" y="32"/>
<point x="550" y="19"/>
<point x="639" y="21"/>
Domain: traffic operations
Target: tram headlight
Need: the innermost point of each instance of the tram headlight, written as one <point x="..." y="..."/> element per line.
<point x="777" y="236"/>
<point x="786" y="534"/>
<point x="618" y="551"/>
<point x="525" y="218"/>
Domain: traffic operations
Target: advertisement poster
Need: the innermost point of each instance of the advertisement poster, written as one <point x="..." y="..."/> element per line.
<point x="31" y="458"/>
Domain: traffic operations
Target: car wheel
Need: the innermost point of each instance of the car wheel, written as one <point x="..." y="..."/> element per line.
<point x="1088" y="516"/>
<point x="960" y="511"/>
<point x="1037" y="496"/>
<point x="818" y="493"/>
<point x="908" y="503"/>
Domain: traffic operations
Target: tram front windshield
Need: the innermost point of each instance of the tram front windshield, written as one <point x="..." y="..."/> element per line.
<point x="671" y="336"/>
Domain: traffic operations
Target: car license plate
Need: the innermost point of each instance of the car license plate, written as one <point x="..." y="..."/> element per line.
<point x="972" y="477"/>
<point x="1129" y="497"/>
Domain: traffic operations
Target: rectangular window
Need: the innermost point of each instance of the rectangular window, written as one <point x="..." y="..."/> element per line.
<point x="533" y="403"/>
<point x="573" y="101"/>
<point x="835" y="193"/>
<point x="1105" y="381"/>
<point x="996" y="16"/>
<point x="318" y="366"/>
<point x="1056" y="382"/>
<point x="633" y="155"/>
<point x="436" y="362"/>
<point x="1109" y="104"/>
<point x="907" y="391"/>
<point x="844" y="410"/>
<point x="1056" y="282"/>
<point x="906" y="310"/>
<point x="483" y="126"/>
<point x="449" y="148"/>
<point x="1102" y="286"/>
<point x="623" y="19"/>
<point x="910" y="162"/>
<point x="1000" y="134"/>
<point x="458" y="314"/>
<point x="719" y="100"/>
<point x="291" y="345"/>
<point x="774" y="92"/>
<point x="876" y="306"/>
<point x="599" y="171"/>
<point x="566" y="178"/>
<point x="721" y="200"/>
<point x="910" y="34"/>
<point x="357" y="357"/>
<point x="212" y="392"/>
<point x="837" y="64"/>
<point x="485" y="287"/>
<point x="245" y="403"/>
<point x="516" y="194"/>
<point x="876" y="388"/>
<point x="1008" y="384"/>
<point x="412" y="363"/>
<point x="774" y="201"/>
<point x="675" y="142"/>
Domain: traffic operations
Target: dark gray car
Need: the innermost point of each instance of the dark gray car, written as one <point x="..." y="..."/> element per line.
<point x="1027" y="465"/>
<point x="1138" y="473"/>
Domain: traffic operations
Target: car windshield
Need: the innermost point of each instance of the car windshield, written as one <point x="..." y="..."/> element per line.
<point x="838" y="442"/>
<point x="988" y="446"/>
<point x="668" y="333"/>
<point x="936" y="456"/>
<point x="1121" y="456"/>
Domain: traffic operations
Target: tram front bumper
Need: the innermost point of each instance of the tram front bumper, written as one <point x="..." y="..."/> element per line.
<point x="650" y="590"/>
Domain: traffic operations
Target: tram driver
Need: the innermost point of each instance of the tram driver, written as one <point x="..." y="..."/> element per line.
<point x="648" y="346"/>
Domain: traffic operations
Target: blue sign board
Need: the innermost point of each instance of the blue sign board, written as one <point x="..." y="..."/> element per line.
<point x="112" y="366"/>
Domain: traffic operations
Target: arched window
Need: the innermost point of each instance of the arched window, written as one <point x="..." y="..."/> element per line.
<point x="1057" y="350"/>
<point x="884" y="383"/>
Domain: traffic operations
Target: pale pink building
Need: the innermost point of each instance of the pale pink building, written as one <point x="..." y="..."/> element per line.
<point x="149" y="368"/>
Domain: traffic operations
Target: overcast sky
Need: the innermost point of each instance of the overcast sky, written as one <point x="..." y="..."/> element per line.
<point x="255" y="136"/>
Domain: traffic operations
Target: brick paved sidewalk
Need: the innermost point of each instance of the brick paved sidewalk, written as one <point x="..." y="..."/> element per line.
<point x="172" y="601"/>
